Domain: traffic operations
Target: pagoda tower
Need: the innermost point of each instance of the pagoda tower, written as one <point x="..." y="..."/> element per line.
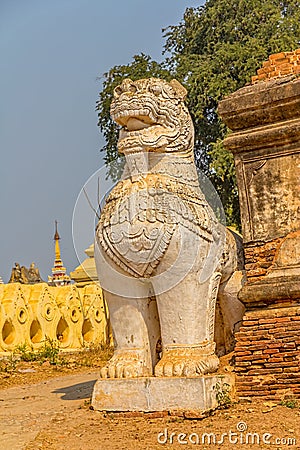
<point x="59" y="276"/>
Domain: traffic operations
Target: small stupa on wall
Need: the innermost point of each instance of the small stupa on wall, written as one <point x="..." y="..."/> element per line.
<point x="86" y="273"/>
<point x="59" y="272"/>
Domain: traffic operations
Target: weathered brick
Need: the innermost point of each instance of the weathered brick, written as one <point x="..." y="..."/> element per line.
<point x="275" y="345"/>
<point x="241" y="349"/>
<point x="265" y="326"/>
<point x="260" y="333"/>
<point x="248" y="323"/>
<point x="258" y="346"/>
<point x="265" y="371"/>
<point x="245" y="378"/>
<point x="275" y="320"/>
<point x="242" y="338"/>
<point x="248" y="331"/>
<point x="244" y="353"/>
<point x="258" y="357"/>
<point x="287" y="358"/>
<point x="244" y="364"/>
<point x="293" y="325"/>
<point x="241" y="385"/>
<point x="273" y="364"/>
<point x="277" y="330"/>
<point x="276" y="359"/>
<point x="291" y="369"/>
<point x="295" y="353"/>
<point x="271" y="350"/>
<point x="290" y="376"/>
<point x="289" y="339"/>
<point x="242" y="358"/>
<point x="267" y="63"/>
<point x="276" y="56"/>
<point x="290" y="345"/>
<point x="255" y="393"/>
<point x="285" y="69"/>
<point x="261" y="361"/>
<point x="291" y="364"/>
<point x="261" y="71"/>
<point x="283" y="335"/>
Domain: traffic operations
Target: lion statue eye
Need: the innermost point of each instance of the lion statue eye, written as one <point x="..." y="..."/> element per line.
<point x="127" y="86"/>
<point x="132" y="88"/>
<point x="156" y="89"/>
<point x="117" y="91"/>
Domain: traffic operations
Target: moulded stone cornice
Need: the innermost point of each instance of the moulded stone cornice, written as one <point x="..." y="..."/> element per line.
<point x="281" y="134"/>
<point x="262" y="103"/>
<point x="271" y="289"/>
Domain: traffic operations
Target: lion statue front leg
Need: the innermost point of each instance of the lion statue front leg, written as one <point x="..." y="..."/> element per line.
<point x="188" y="348"/>
<point x="187" y="309"/>
<point x="136" y="331"/>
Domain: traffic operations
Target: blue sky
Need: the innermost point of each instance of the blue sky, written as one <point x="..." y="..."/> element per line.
<point x="51" y="56"/>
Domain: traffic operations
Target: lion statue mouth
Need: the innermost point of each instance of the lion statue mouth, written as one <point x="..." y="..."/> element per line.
<point x="134" y="125"/>
<point x="134" y="120"/>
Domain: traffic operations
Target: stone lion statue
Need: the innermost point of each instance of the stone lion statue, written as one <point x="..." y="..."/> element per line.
<point x="169" y="270"/>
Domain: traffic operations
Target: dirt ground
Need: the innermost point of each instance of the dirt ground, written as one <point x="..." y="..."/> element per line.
<point x="276" y="427"/>
<point x="47" y="406"/>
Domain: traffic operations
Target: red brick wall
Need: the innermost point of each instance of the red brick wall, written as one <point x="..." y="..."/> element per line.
<point x="267" y="353"/>
<point x="279" y="65"/>
<point x="259" y="258"/>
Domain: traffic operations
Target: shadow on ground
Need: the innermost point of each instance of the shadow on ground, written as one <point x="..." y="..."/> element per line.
<point x="76" y="391"/>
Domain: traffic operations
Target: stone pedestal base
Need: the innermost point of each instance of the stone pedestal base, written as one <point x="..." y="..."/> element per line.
<point x="160" y="394"/>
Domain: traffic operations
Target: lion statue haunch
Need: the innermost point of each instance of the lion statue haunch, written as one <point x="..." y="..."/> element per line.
<point x="169" y="270"/>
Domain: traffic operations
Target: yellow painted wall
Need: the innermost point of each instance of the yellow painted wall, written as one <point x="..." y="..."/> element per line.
<point x="30" y="313"/>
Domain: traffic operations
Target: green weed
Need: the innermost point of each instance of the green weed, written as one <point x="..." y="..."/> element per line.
<point x="50" y="351"/>
<point x="223" y="395"/>
<point x="8" y="364"/>
<point x="289" y="403"/>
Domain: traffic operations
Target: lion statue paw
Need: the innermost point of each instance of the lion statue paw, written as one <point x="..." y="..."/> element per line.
<point x="187" y="362"/>
<point x="126" y="364"/>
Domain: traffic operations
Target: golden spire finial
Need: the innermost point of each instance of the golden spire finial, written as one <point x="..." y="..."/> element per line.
<point x="56" y="238"/>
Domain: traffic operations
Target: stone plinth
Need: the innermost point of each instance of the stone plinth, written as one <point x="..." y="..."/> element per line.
<point x="159" y="394"/>
<point x="265" y="120"/>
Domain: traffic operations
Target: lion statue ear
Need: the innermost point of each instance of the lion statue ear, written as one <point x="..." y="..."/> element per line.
<point x="179" y="89"/>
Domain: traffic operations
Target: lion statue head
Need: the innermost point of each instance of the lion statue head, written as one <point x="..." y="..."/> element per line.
<point x="153" y="116"/>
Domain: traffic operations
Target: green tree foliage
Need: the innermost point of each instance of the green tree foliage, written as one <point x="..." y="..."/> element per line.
<point x="213" y="51"/>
